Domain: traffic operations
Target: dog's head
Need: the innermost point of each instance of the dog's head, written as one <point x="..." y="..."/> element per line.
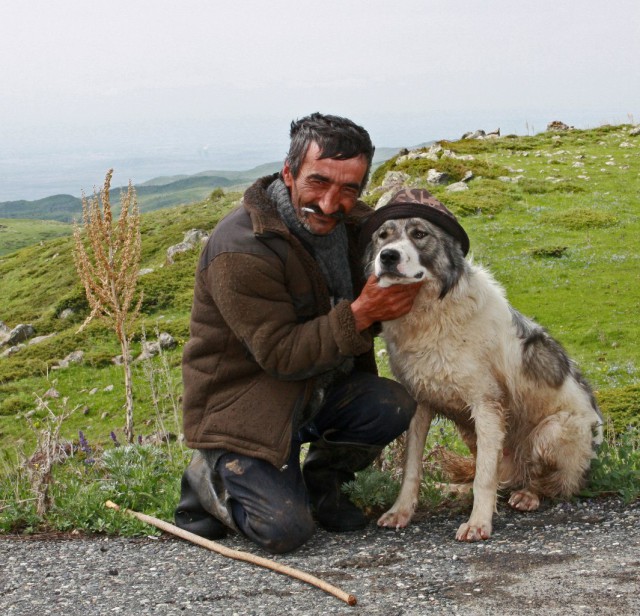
<point x="415" y="239"/>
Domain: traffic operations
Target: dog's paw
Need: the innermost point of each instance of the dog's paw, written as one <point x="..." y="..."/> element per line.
<point x="471" y="532"/>
<point x="395" y="519"/>
<point x="523" y="500"/>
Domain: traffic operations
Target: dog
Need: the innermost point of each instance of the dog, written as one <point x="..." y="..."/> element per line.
<point x="519" y="402"/>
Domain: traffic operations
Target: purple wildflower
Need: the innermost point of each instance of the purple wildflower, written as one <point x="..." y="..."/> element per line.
<point x="84" y="444"/>
<point x="114" y="438"/>
<point x="85" y="448"/>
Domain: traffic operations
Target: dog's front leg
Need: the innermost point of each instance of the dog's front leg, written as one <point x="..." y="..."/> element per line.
<point x="490" y="437"/>
<point x="401" y="513"/>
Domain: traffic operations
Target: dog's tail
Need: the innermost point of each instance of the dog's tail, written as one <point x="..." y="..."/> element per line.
<point x="456" y="467"/>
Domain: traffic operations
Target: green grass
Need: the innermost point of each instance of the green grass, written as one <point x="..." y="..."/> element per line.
<point x="16" y="233"/>
<point x="563" y="246"/>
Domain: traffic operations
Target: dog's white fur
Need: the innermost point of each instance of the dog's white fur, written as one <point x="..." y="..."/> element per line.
<point x="461" y="355"/>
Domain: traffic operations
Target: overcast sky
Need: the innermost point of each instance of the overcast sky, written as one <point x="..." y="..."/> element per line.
<point x="91" y="69"/>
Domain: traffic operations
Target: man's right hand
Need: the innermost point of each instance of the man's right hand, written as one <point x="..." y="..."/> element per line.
<point x="377" y="303"/>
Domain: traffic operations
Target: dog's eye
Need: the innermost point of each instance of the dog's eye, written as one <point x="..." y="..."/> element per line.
<point x="417" y="234"/>
<point x="383" y="235"/>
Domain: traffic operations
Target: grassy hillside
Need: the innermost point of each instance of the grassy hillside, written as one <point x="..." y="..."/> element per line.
<point x="562" y="238"/>
<point x="16" y="233"/>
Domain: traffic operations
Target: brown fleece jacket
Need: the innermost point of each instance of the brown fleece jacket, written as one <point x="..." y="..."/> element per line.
<point x="262" y="328"/>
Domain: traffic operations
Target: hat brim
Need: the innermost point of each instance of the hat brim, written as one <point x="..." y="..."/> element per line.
<point x="413" y="210"/>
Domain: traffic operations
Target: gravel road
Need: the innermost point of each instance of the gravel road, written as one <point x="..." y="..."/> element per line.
<point x="567" y="558"/>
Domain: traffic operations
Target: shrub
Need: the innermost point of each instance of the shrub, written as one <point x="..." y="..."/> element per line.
<point x="578" y="219"/>
<point x="622" y="406"/>
<point x="543" y="252"/>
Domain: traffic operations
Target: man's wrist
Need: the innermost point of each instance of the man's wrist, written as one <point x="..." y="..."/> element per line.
<point x="362" y="321"/>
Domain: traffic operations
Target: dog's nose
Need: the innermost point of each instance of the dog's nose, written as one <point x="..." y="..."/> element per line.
<point x="389" y="256"/>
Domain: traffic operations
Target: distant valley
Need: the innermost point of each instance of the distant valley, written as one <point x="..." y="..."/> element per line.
<point x="157" y="193"/>
<point x="23" y="223"/>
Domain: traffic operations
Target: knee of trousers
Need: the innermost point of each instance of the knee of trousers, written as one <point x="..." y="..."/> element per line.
<point x="396" y="408"/>
<point x="283" y="530"/>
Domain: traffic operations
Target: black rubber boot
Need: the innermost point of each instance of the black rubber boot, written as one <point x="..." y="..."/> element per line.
<point x="190" y="515"/>
<point x="327" y="467"/>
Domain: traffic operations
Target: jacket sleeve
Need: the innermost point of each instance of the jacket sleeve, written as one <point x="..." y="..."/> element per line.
<point x="251" y="294"/>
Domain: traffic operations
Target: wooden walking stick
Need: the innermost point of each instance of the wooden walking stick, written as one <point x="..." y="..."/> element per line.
<point x="238" y="555"/>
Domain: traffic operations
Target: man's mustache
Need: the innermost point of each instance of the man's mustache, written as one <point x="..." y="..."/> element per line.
<point x="315" y="209"/>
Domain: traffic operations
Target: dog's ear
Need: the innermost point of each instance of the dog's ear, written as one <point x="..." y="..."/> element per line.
<point x="453" y="274"/>
<point x="368" y="259"/>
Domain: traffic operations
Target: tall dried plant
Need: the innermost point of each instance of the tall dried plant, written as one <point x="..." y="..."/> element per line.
<point x="49" y="451"/>
<point x="107" y="259"/>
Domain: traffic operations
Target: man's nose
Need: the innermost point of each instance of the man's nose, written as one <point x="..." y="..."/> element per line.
<point x="329" y="202"/>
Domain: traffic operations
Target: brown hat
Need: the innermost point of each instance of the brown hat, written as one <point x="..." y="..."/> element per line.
<point x="416" y="203"/>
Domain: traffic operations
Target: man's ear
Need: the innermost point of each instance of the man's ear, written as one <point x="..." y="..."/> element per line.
<point x="287" y="176"/>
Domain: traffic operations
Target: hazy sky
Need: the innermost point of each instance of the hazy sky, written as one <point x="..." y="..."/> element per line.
<point x="127" y="69"/>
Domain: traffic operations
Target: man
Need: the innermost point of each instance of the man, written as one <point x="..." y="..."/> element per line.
<point x="281" y="351"/>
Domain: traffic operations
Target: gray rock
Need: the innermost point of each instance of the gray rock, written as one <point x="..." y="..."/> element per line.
<point x="39" y="339"/>
<point x="436" y="177"/>
<point x="452" y="154"/>
<point x="119" y="359"/>
<point x="192" y="238"/>
<point x="4" y="333"/>
<point x="195" y="236"/>
<point x="12" y="350"/>
<point x="395" y="179"/>
<point x="167" y="341"/>
<point x="457" y="187"/>
<point x="66" y="314"/>
<point x="75" y="357"/>
<point x="19" y="333"/>
<point x="556" y="125"/>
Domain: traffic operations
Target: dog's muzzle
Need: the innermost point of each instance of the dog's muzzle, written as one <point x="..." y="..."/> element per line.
<point x="389" y="259"/>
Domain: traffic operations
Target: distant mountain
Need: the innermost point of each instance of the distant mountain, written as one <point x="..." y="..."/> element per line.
<point x="157" y="193"/>
<point x="56" y="207"/>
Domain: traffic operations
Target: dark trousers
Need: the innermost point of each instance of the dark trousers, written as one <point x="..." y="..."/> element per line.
<point x="270" y="505"/>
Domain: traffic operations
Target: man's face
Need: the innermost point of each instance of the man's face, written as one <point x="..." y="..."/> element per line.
<point x="326" y="186"/>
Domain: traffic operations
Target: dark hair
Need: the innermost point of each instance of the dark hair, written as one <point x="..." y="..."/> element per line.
<point x="338" y="138"/>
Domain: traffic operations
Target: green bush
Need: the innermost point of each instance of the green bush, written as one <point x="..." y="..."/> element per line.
<point x="14" y="404"/>
<point x="622" y="406"/>
<point x="578" y="219"/>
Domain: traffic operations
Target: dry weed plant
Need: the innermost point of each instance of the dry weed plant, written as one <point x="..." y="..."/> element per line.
<point x="107" y="260"/>
<point x="164" y="397"/>
<point x="49" y="451"/>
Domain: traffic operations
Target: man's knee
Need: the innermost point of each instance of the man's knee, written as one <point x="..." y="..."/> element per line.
<point x="285" y="529"/>
<point x="268" y="506"/>
<point x="395" y="409"/>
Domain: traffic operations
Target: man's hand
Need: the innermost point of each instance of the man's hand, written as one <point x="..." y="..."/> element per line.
<point x="377" y="303"/>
